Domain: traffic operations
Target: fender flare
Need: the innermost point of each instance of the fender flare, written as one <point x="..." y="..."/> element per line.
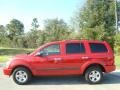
<point x="90" y="63"/>
<point x="18" y="63"/>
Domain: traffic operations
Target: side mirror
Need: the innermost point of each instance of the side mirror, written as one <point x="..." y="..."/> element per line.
<point x="43" y="53"/>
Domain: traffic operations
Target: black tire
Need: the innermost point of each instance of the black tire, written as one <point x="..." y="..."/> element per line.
<point x="27" y="76"/>
<point x="92" y="78"/>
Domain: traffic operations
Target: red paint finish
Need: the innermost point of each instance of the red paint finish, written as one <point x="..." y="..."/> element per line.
<point x="63" y="63"/>
<point x="7" y="71"/>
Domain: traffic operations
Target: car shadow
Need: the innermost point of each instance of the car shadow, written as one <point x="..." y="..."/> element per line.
<point x="57" y="80"/>
<point x="112" y="78"/>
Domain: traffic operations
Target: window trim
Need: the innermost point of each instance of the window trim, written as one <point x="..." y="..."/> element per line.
<point x="75" y="43"/>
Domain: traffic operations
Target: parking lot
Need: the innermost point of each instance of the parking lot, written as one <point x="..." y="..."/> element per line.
<point x="111" y="82"/>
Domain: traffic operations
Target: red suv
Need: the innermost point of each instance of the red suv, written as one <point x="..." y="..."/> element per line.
<point x="68" y="57"/>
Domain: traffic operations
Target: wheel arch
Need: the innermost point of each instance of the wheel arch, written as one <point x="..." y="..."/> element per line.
<point x="95" y="65"/>
<point x="23" y="66"/>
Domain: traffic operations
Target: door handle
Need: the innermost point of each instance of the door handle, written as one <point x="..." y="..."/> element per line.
<point x="57" y="59"/>
<point x="85" y="58"/>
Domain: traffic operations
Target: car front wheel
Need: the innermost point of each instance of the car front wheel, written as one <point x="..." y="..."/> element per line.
<point x="21" y="75"/>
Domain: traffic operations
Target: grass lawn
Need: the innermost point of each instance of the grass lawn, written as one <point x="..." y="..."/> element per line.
<point x="6" y="53"/>
<point x="4" y="58"/>
<point x="117" y="61"/>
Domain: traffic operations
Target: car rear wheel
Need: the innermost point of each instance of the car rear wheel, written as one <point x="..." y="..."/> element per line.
<point x="21" y="75"/>
<point x="93" y="75"/>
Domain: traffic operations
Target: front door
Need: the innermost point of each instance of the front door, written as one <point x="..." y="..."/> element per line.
<point x="50" y="61"/>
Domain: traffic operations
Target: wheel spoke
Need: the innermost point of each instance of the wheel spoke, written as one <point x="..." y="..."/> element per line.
<point x="93" y="72"/>
<point x="93" y="79"/>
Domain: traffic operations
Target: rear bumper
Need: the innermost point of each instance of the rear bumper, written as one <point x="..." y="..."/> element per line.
<point x="110" y="68"/>
<point x="7" y="71"/>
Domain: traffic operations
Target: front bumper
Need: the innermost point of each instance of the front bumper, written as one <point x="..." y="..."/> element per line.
<point x="110" y="68"/>
<point x="7" y="71"/>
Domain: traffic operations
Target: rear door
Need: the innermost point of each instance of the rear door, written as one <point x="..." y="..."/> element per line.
<point x="74" y="56"/>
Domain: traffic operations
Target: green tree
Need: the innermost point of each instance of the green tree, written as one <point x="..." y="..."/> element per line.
<point x="117" y="43"/>
<point x="15" y="29"/>
<point x="35" y="24"/>
<point x="118" y="13"/>
<point x="32" y="35"/>
<point x="96" y="20"/>
<point x="42" y="37"/>
<point x="2" y="32"/>
<point x="118" y="9"/>
<point x="56" y="30"/>
<point x="2" y="35"/>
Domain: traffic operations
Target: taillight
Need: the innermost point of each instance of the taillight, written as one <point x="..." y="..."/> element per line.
<point x="110" y="61"/>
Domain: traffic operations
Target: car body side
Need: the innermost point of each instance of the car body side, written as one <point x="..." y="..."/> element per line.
<point x="70" y="65"/>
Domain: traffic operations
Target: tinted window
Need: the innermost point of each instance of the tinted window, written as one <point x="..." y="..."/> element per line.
<point x="97" y="47"/>
<point x="75" y="48"/>
<point x="52" y="49"/>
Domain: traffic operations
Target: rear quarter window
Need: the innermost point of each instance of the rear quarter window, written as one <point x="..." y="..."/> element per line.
<point x="98" y="47"/>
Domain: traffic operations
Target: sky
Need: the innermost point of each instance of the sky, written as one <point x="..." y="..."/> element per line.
<point x="26" y="10"/>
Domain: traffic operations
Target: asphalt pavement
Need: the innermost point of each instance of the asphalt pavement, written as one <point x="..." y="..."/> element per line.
<point x="111" y="81"/>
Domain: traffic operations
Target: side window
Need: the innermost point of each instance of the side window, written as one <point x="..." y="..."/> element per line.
<point x="98" y="47"/>
<point x="52" y="49"/>
<point x="73" y="48"/>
